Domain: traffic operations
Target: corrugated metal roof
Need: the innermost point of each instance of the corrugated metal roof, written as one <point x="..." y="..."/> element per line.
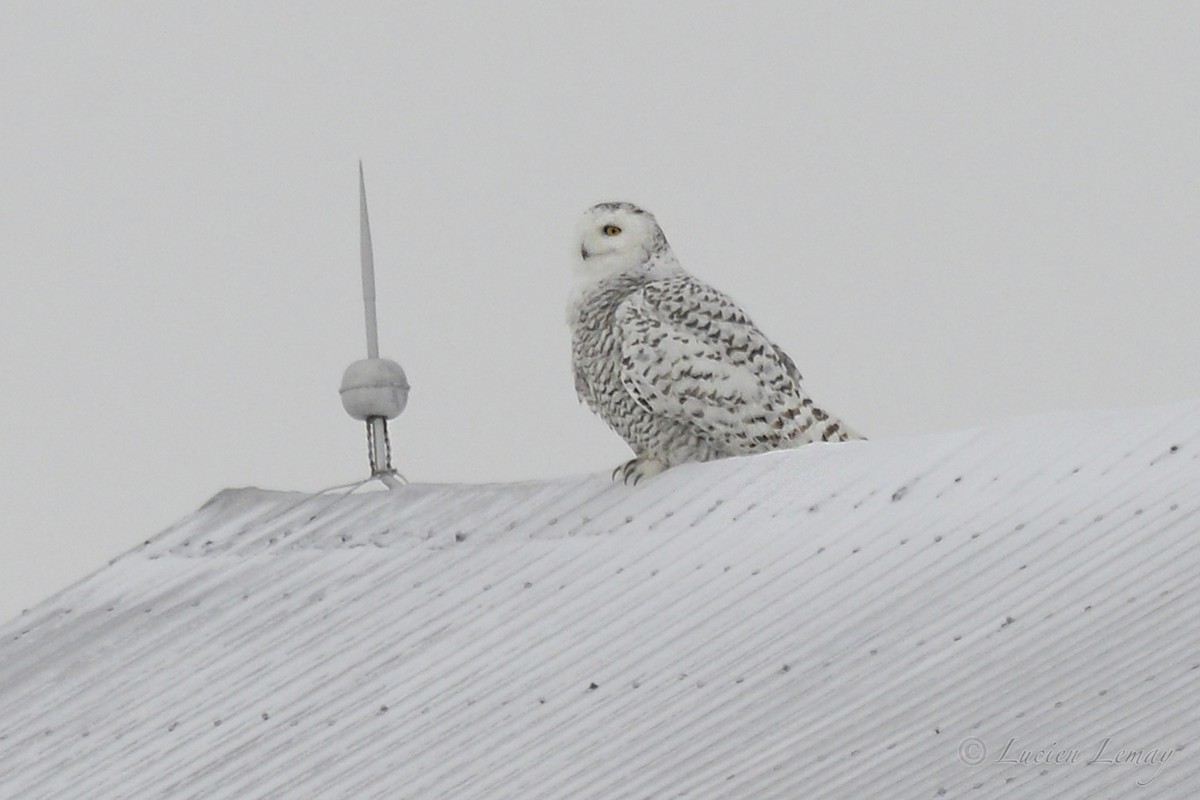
<point x="850" y="621"/>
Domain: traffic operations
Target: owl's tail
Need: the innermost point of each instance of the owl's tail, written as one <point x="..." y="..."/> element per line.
<point x="823" y="427"/>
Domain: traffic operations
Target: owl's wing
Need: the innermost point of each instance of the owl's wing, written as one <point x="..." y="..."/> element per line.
<point x="690" y="353"/>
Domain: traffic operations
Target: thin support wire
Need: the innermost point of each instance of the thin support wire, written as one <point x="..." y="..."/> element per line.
<point x="332" y="495"/>
<point x="379" y="452"/>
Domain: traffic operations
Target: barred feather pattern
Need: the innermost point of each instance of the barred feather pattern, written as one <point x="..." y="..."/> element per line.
<point x="681" y="373"/>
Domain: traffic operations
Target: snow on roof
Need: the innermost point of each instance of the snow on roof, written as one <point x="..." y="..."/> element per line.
<point x="977" y="614"/>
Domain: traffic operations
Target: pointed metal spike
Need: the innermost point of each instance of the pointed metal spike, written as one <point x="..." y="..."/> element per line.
<point x="377" y="434"/>
<point x="367" y="256"/>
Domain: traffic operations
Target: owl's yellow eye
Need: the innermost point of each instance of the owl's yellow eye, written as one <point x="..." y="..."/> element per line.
<point x="611" y="230"/>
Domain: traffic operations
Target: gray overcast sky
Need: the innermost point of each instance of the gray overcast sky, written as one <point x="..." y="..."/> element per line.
<point x="948" y="213"/>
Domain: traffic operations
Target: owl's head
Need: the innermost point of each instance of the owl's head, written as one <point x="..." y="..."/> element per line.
<point x="616" y="238"/>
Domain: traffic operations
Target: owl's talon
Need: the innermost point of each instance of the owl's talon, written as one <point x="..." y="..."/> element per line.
<point x="638" y="468"/>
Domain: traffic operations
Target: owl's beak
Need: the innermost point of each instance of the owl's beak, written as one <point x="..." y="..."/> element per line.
<point x="583" y="252"/>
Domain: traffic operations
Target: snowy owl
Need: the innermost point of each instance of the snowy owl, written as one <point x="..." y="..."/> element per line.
<point x="671" y="364"/>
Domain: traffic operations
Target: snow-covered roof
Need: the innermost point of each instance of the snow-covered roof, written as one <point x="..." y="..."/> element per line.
<point x="875" y="619"/>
